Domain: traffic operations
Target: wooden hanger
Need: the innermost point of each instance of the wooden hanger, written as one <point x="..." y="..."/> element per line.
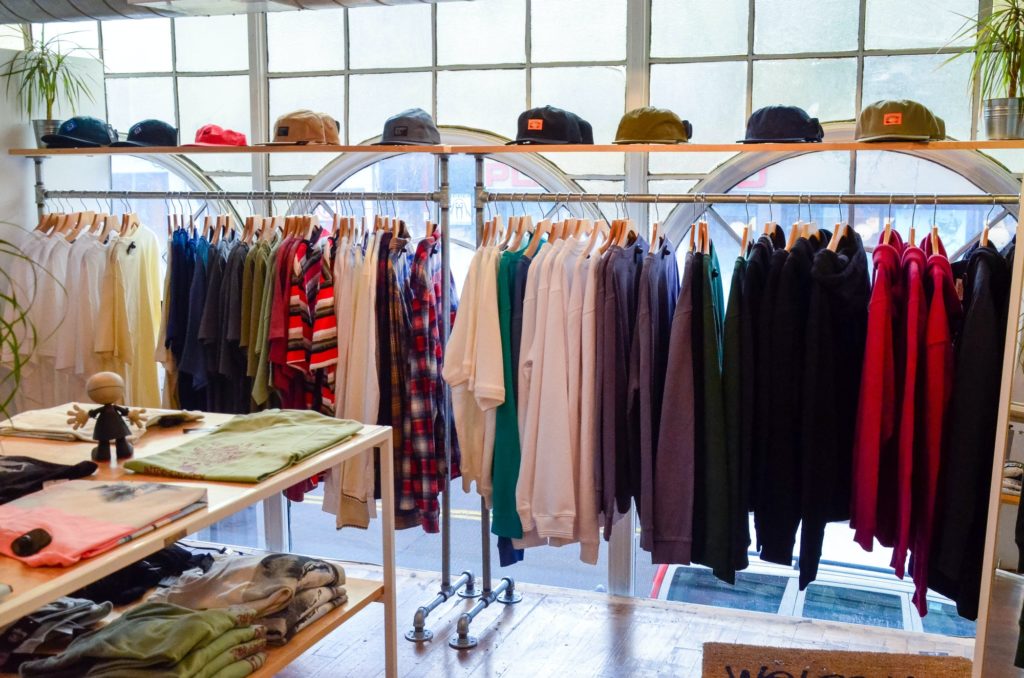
<point x="693" y="231"/>
<point x="613" y="236"/>
<point x="794" y="233"/>
<point x="85" y="222"/>
<point x="837" y="235"/>
<point x="523" y="225"/>
<point x="743" y="239"/>
<point x="935" y="239"/>
<point x="538" y="235"/>
<point x="217" y="230"/>
<point x="510" y="227"/>
<point x="97" y="223"/>
<point x="887" y="233"/>
<point x="983" y="239"/>
<point x="109" y="220"/>
<point x="249" y="229"/>
<point x="600" y="229"/>
<point x="207" y="227"/>
<point x="912" y="237"/>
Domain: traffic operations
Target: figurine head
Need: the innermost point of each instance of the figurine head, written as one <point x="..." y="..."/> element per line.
<point x="105" y="388"/>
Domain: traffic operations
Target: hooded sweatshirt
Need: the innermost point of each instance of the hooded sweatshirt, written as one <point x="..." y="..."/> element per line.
<point x="965" y="474"/>
<point x="944" y="315"/>
<point x="874" y="444"/>
<point x="836" y="332"/>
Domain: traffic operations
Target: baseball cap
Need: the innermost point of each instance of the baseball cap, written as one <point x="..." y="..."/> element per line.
<point x="150" y="133"/>
<point x="81" y="131"/>
<point x="649" y="125"/>
<point x="412" y="127"/>
<point x="303" y="127"/>
<point x="899" y="120"/>
<point x="215" y="135"/>
<point x="782" y="124"/>
<point x="331" y="130"/>
<point x="550" y="125"/>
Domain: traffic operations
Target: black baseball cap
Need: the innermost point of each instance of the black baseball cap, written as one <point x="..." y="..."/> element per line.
<point x="550" y="125"/>
<point x="782" y="124"/>
<point x="150" y="133"/>
<point x="413" y="127"/>
<point x="81" y="131"/>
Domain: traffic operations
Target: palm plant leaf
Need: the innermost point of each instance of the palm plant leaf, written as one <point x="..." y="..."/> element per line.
<point x="44" y="73"/>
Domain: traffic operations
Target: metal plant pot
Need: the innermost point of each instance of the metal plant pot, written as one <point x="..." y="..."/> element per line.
<point x="44" y="127"/>
<point x="1004" y="118"/>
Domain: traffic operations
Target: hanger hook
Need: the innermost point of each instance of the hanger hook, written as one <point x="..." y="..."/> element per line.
<point x="771" y="207"/>
<point x="889" y="217"/>
<point x="746" y="207"/>
<point x="913" y="214"/>
<point x="935" y="211"/>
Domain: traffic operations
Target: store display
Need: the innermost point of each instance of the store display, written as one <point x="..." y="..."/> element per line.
<point x="51" y="423"/>
<point x="20" y="476"/>
<point x="164" y="639"/>
<point x="82" y="131"/>
<point x="286" y="592"/>
<point x="150" y="133"/>
<point x="899" y="120"/>
<point x="649" y="125"/>
<point x="413" y="127"/>
<point x="782" y="125"/>
<point x="82" y="518"/>
<point x="107" y="388"/>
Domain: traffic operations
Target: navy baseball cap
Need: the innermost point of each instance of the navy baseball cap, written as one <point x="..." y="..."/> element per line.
<point x="550" y="125"/>
<point x="782" y="124"/>
<point x="413" y="127"/>
<point x="150" y="133"/>
<point x="81" y="131"/>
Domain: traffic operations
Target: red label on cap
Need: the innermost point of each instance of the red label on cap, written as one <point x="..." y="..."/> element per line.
<point x="892" y="119"/>
<point x="535" y="123"/>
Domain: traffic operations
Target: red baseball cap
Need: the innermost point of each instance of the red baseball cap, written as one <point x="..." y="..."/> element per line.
<point x="215" y="135"/>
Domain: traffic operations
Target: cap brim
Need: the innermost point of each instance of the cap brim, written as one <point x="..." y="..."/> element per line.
<point x="207" y="143"/>
<point x="540" y="142"/>
<point x="63" y="141"/>
<point x="130" y="143"/>
<point x="664" y="142"/>
<point x="790" y="140"/>
<point x="290" y="143"/>
<point x="406" y="143"/>
<point x="896" y="137"/>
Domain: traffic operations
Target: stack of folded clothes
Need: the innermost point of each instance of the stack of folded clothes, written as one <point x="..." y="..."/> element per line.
<point x="54" y="623"/>
<point x="287" y="592"/>
<point x="1013" y="473"/>
<point x="159" y="639"/>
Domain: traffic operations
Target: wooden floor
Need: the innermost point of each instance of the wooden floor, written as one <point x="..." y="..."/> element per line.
<point x="559" y="632"/>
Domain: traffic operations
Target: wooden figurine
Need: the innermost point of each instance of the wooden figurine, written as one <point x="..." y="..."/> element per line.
<point x="107" y="389"/>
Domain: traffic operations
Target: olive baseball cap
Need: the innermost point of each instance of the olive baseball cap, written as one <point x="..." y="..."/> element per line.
<point x="899" y="120"/>
<point x="649" y="125"/>
<point x="304" y="127"/>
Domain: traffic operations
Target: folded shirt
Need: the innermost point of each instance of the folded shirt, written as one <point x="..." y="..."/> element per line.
<point x="57" y="622"/>
<point x="84" y="518"/>
<point x="52" y="423"/>
<point x="132" y="582"/>
<point x="153" y="639"/>
<point x="250" y="447"/>
<point x="24" y="475"/>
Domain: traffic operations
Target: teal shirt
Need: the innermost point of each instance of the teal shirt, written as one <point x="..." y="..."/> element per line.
<point x="507" y="451"/>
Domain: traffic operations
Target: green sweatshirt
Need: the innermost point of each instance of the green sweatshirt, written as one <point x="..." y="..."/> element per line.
<point x="739" y="535"/>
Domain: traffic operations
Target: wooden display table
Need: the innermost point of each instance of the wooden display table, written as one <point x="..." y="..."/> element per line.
<point x="36" y="586"/>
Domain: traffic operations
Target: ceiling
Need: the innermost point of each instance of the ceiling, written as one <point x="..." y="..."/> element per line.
<point x="24" y="11"/>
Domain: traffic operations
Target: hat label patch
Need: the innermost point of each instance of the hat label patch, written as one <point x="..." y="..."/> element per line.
<point x="892" y="119"/>
<point x="535" y="124"/>
<point x="282" y="131"/>
<point x="401" y="131"/>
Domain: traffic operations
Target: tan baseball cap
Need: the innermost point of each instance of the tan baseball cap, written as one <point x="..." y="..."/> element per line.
<point x="305" y="127"/>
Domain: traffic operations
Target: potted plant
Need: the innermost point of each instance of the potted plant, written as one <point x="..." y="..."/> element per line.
<point x="43" y="72"/>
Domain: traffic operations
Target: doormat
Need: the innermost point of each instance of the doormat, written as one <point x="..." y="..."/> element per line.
<point x="725" y="660"/>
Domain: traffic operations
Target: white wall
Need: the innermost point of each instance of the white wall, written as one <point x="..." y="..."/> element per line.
<point x="17" y="203"/>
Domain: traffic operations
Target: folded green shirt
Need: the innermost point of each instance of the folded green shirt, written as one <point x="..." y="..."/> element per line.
<point x="250" y="447"/>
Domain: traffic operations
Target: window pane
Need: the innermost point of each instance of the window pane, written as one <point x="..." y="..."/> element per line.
<point x="497" y="28"/>
<point x="578" y="30"/>
<point x="137" y="45"/>
<point x="212" y="43"/>
<point x="825" y="88"/>
<point x="497" y="111"/>
<point x="790" y="26"/>
<point x="598" y="95"/>
<point x="324" y="94"/>
<point x="69" y="34"/>
<point x="709" y="95"/>
<point x="232" y="112"/>
<point x="11" y="37"/>
<point x="698" y="27"/>
<point x="407" y="41"/>
<point x="942" y="88"/>
<point x="375" y="98"/>
<point x="321" y="34"/>
<point x="130" y="100"/>
<point x="915" y="23"/>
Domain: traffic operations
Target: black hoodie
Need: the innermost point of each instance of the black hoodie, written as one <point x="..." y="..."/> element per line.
<point x="834" y="353"/>
<point x="958" y="546"/>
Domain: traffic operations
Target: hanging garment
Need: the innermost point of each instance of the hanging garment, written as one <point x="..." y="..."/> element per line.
<point x="583" y="296"/>
<point x="834" y="354"/>
<point x="675" y="457"/>
<point x="958" y="543"/>
<point x="85" y="518"/>
<point x="875" y="440"/>
<point x="943" y="320"/>
<point x="249" y="448"/>
<point x="732" y="392"/>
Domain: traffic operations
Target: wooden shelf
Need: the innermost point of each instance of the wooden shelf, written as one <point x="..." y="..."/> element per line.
<point x="36" y="586"/>
<point x="501" y="150"/>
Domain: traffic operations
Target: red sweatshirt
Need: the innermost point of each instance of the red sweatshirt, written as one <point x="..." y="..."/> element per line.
<point x="874" y="439"/>
<point x="911" y="402"/>
<point x="944" y="312"/>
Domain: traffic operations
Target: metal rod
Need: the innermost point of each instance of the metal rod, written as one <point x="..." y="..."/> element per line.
<point x="39" y="186"/>
<point x="420" y="633"/>
<point x="446" y="306"/>
<point x="758" y="198"/>
<point x="247" y="195"/>
<point x="504" y="593"/>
